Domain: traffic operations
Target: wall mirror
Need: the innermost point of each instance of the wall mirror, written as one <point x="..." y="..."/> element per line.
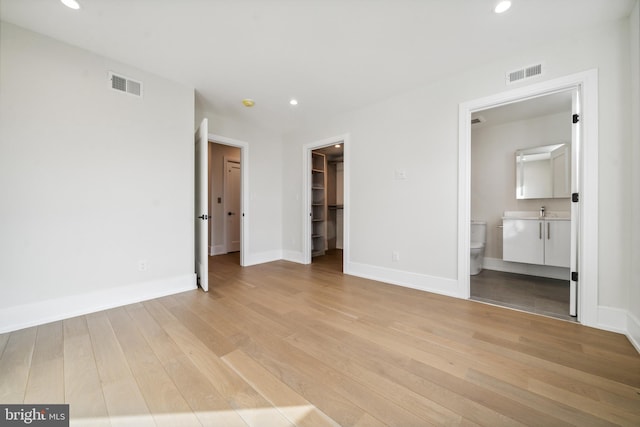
<point x="543" y="172"/>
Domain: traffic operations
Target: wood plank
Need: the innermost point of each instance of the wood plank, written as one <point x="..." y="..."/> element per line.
<point x="82" y="387"/>
<point x="249" y="404"/>
<point x="297" y="409"/>
<point x="208" y="405"/>
<point x="164" y="400"/>
<point x="15" y="365"/>
<point x="124" y="400"/>
<point x="46" y="379"/>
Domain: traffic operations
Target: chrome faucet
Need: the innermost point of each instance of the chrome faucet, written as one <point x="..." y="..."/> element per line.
<point x="542" y="212"/>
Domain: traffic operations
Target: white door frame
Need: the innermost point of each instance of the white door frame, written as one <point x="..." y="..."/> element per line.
<point x="225" y="182"/>
<point x="587" y="83"/>
<point x="306" y="196"/>
<point x="244" y="185"/>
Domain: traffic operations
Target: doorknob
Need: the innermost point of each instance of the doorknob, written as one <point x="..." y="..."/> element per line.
<point x="204" y="217"/>
<point x="230" y="213"/>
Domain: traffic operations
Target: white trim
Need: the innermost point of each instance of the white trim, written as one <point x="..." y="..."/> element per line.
<point x="612" y="319"/>
<point x="496" y="264"/>
<point x="633" y="330"/>
<point x="262" y="257"/>
<point x="306" y="196"/>
<point x="293" y="256"/>
<point x="423" y="282"/>
<point x="41" y="312"/>
<point x="587" y="82"/>
<point x="218" y="250"/>
<point x="244" y="204"/>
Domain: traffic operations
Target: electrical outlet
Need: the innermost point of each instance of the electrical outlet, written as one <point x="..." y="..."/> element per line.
<point x="395" y="256"/>
<point x="143" y="265"/>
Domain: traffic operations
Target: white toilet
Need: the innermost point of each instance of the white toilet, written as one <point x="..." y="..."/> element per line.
<point x="478" y="240"/>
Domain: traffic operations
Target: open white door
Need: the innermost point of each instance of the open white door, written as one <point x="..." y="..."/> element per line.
<point x="201" y="205"/>
<point x="575" y="210"/>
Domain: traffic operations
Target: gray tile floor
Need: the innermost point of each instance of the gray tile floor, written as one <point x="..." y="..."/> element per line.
<point x="539" y="295"/>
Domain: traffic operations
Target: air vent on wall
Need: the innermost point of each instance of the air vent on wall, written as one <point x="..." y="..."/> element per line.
<point x="477" y="120"/>
<point x="124" y="84"/>
<point x="524" y="73"/>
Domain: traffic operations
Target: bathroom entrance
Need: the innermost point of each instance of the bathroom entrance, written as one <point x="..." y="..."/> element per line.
<point x="521" y="205"/>
<point x="582" y="203"/>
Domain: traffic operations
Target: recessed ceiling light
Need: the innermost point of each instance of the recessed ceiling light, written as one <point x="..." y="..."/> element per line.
<point x="72" y="4"/>
<point x="248" y="102"/>
<point x="293" y="102"/>
<point x="337" y="145"/>
<point x="502" y="7"/>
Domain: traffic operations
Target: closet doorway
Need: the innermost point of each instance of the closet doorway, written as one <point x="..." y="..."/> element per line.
<point x="326" y="204"/>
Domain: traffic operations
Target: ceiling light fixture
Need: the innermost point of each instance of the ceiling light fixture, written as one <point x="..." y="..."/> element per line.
<point x="71" y="4"/>
<point x="248" y="102"/>
<point x="502" y="7"/>
<point x="337" y="145"/>
<point x="293" y="101"/>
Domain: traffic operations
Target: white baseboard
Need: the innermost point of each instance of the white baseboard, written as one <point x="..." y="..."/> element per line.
<point x="633" y="330"/>
<point x="41" y="312"/>
<point x="293" y="256"/>
<point x="406" y="279"/>
<point x="612" y="319"/>
<point x="561" y="273"/>
<point x="217" y="250"/>
<point x="262" y="257"/>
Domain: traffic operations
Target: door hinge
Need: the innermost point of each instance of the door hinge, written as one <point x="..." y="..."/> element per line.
<point x="575" y="197"/>
<point x="574" y="276"/>
<point x="576" y="118"/>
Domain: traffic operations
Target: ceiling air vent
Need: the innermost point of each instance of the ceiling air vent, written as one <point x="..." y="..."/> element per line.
<point x="524" y="73"/>
<point x="124" y="84"/>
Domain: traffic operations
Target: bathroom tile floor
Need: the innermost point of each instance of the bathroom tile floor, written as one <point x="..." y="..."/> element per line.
<point x="548" y="297"/>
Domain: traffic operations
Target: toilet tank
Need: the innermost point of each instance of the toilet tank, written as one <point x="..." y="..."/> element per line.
<point x="478" y="231"/>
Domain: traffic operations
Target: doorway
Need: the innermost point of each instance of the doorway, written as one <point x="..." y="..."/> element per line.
<point x="227" y="193"/>
<point x="326" y="203"/>
<point x="521" y="166"/>
<point x="584" y="261"/>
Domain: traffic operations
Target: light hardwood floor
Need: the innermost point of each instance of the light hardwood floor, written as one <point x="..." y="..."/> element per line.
<point x="283" y="344"/>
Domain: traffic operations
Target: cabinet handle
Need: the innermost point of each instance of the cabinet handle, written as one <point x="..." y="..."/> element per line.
<point x="540" y="230"/>
<point x="548" y="231"/>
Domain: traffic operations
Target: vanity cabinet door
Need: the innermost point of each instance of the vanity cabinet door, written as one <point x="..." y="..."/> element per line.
<point x="523" y="241"/>
<point x="557" y="247"/>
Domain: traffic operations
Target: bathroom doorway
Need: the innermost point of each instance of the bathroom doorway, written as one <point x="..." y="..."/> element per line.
<point x="517" y="147"/>
<point x="584" y="190"/>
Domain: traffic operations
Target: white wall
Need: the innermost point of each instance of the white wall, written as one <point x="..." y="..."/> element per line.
<point x="93" y="181"/>
<point x="263" y="216"/>
<point x="417" y="131"/>
<point x="493" y="170"/>
<point x="634" y="297"/>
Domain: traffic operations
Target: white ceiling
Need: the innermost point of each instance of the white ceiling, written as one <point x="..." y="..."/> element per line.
<point x="332" y="55"/>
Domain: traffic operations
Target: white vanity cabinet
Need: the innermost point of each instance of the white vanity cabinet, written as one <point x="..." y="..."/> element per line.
<point x="537" y="241"/>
